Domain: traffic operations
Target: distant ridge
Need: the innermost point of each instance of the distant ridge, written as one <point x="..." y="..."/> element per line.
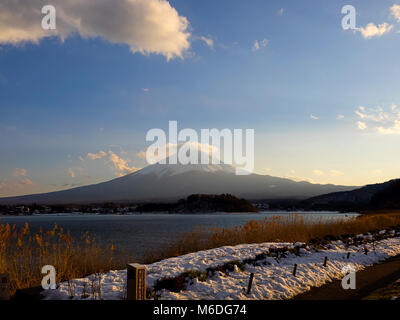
<point x="170" y="182"/>
<point x="374" y="196"/>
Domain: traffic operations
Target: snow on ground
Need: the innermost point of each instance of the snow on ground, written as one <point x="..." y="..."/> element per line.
<point x="273" y="278"/>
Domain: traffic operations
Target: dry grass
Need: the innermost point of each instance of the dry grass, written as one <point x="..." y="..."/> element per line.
<point x="23" y="254"/>
<point x="292" y="228"/>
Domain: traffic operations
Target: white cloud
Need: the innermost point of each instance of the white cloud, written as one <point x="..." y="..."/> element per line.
<point x="376" y="114"/>
<point x="386" y="122"/>
<point x="260" y="44"/>
<point x="281" y="11"/>
<point x="314" y="117"/>
<point x="208" y="41"/>
<point x="395" y="12"/>
<point x="145" y="89"/>
<point x="340" y="117"/>
<point x="372" y="30"/>
<point x="146" y="26"/>
<point x="361" y="125"/>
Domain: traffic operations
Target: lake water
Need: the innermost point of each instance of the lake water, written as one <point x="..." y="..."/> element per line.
<point x="137" y="233"/>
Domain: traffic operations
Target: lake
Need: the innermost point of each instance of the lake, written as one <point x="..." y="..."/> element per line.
<point x="139" y="232"/>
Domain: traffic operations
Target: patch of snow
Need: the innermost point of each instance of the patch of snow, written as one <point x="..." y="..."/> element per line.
<point x="175" y="169"/>
<point x="273" y="279"/>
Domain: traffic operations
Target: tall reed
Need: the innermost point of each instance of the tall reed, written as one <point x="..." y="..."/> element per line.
<point x="23" y="254"/>
<point x="291" y="228"/>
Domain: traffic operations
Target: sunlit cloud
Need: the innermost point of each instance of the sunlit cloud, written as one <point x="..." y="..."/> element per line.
<point x="314" y="117"/>
<point x="361" y="125"/>
<point x="111" y="159"/>
<point x="372" y="30"/>
<point x="171" y="149"/>
<point x="386" y="122"/>
<point x="15" y="184"/>
<point x="299" y="179"/>
<point x="99" y="155"/>
<point x="18" y="172"/>
<point x="120" y="164"/>
<point x="293" y="176"/>
<point x="71" y="172"/>
<point x="208" y="41"/>
<point x="260" y="44"/>
<point x="141" y="154"/>
<point x="24" y="182"/>
<point x="317" y="172"/>
<point x="146" y="26"/>
<point x="395" y="12"/>
<point x="394" y="129"/>
<point x="336" y="173"/>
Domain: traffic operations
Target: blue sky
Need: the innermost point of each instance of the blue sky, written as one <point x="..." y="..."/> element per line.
<point x="61" y="100"/>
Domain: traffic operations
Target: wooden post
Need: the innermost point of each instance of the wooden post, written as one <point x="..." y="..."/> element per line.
<point x="325" y="261"/>
<point x="348" y="255"/>
<point x="250" y="283"/>
<point x="136" y="282"/>
<point x="366" y="250"/>
<point x="294" y="270"/>
<point x="4" y="286"/>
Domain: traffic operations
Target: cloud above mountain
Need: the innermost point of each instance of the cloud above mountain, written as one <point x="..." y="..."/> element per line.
<point x="382" y="121"/>
<point x="373" y="30"/>
<point x="146" y="26"/>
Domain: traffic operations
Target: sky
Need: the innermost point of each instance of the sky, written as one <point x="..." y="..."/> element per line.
<point x="76" y="102"/>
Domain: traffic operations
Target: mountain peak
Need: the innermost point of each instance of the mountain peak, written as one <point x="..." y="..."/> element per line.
<point x="175" y="169"/>
<point x="169" y="168"/>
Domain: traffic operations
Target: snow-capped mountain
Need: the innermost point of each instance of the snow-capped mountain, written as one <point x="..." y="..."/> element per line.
<point x="175" y="169"/>
<point x="165" y="182"/>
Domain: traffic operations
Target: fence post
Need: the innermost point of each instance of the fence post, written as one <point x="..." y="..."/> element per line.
<point x="136" y="282"/>
<point x="250" y="283"/>
<point x="325" y="261"/>
<point x="348" y="255"/>
<point x="5" y="286"/>
<point x="294" y="270"/>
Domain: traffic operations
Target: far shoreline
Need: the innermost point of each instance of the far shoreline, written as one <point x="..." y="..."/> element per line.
<point x="79" y="214"/>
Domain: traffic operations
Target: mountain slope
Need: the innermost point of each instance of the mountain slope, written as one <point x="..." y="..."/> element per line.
<point x="175" y="181"/>
<point x="382" y="195"/>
